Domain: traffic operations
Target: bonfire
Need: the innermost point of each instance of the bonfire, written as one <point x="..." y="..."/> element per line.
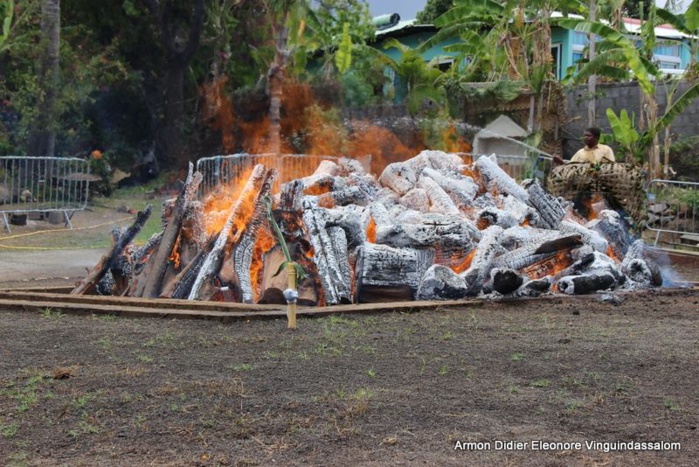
<point x="438" y="226"/>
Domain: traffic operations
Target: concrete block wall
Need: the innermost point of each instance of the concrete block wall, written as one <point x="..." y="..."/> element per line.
<point x="620" y="96"/>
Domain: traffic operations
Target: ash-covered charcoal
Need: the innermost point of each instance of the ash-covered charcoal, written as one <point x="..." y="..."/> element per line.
<point x="518" y="236"/>
<point x="350" y="219"/>
<point x="585" y="284"/>
<point x="351" y="167"/>
<point x="640" y="267"/>
<point x="459" y="187"/>
<point x="589" y="236"/>
<point x="424" y="234"/>
<point x="416" y="199"/>
<point x="442" y="160"/>
<point x="550" y="209"/>
<point x="399" y="177"/>
<point x="105" y="286"/>
<point x="498" y="178"/>
<point x="441" y="283"/>
<point x="384" y="271"/>
<point x="505" y="281"/>
<point x="534" y="288"/>
<point x="615" y="229"/>
<point x="439" y="199"/>
<point x="486" y="250"/>
<point x="494" y="216"/>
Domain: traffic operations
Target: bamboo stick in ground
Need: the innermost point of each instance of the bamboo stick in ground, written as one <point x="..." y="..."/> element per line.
<point x="291" y="301"/>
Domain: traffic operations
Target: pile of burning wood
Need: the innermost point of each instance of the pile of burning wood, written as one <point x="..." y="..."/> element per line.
<point x="429" y="228"/>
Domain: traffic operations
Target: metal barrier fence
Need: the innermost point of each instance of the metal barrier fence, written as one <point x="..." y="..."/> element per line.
<point x="222" y="170"/>
<point x="43" y="185"/>
<point x="673" y="208"/>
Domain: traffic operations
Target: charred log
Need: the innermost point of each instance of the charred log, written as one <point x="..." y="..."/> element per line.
<point x="120" y="243"/>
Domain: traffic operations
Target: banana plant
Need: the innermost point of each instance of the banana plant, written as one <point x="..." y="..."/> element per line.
<point x="624" y="133"/>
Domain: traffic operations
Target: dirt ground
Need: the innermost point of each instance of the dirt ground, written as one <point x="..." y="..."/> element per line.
<point x="380" y="389"/>
<point x="611" y="379"/>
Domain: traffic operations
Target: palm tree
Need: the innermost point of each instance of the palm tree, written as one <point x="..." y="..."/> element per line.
<point x="42" y="140"/>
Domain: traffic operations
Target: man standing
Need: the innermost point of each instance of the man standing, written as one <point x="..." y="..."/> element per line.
<point x="593" y="153"/>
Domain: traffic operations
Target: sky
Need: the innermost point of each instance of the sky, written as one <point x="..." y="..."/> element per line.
<point x="407" y="9"/>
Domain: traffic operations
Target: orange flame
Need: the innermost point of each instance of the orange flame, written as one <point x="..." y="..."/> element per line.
<point x="175" y="253"/>
<point x="264" y="242"/>
<point x="549" y="266"/>
<point x="464" y="264"/>
<point x="371" y="231"/>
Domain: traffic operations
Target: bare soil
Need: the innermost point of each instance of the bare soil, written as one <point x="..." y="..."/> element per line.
<point x="381" y="389"/>
<point x="360" y="389"/>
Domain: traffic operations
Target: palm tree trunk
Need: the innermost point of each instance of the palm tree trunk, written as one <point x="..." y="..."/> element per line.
<point x="42" y="140"/>
<point x="275" y="77"/>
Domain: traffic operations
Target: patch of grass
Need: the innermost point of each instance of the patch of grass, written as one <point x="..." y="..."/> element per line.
<point x="26" y="396"/>
<point x="443" y="370"/>
<point x="513" y="389"/>
<point x="243" y="367"/>
<point x="371" y="373"/>
<point x="165" y="339"/>
<point x="9" y="431"/>
<point x="51" y="314"/>
<point x="516" y="357"/>
<point x="541" y="383"/>
<point x="145" y="359"/>
<point x="671" y="404"/>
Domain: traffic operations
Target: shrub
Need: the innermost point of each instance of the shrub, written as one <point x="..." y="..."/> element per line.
<point x="684" y="159"/>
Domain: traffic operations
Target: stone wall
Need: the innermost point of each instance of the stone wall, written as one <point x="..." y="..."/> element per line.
<point x="620" y="96"/>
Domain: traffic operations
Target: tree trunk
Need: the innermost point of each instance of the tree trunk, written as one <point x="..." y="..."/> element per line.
<point x="275" y="77"/>
<point x="42" y="141"/>
<point x="178" y="55"/>
<point x="592" y="80"/>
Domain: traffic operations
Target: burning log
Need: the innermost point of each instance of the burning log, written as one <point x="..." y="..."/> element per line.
<point x="384" y="273"/>
<point x="611" y="227"/>
<point x="550" y="210"/>
<point x="486" y="251"/>
<point x="534" y="288"/>
<point x="121" y="241"/>
<point x="336" y="286"/>
<point x="153" y="283"/>
<point x="244" y="246"/>
<point x="459" y="187"/>
<point x="416" y="199"/>
<point x="258" y="185"/>
<point x="498" y="179"/>
<point x="533" y="253"/>
<point x="589" y="236"/>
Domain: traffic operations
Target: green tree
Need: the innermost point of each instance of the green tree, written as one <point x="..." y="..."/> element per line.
<point x="433" y="9"/>
<point x="179" y="25"/>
